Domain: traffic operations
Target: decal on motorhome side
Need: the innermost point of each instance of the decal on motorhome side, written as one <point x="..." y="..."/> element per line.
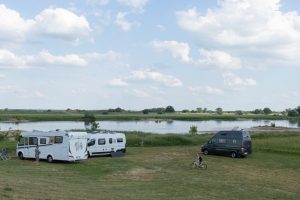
<point x="78" y="145"/>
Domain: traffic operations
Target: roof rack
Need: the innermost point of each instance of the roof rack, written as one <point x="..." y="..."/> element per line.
<point x="235" y="128"/>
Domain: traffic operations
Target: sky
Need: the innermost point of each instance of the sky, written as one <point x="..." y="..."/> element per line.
<point x="139" y="54"/>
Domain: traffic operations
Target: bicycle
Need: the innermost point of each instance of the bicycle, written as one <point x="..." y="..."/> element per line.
<point x="195" y="165"/>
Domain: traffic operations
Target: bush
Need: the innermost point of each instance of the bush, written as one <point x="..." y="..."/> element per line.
<point x="193" y="130"/>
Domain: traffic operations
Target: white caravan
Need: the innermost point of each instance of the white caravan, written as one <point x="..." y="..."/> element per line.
<point x="53" y="145"/>
<point x="104" y="143"/>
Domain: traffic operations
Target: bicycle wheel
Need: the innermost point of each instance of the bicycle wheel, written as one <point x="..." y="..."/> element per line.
<point x="204" y="166"/>
<point x="193" y="166"/>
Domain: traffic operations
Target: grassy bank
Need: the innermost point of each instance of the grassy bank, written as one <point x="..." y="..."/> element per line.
<point x="158" y="172"/>
<point x="78" y="116"/>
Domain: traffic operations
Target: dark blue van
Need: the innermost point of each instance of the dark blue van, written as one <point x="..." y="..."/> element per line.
<point x="236" y="143"/>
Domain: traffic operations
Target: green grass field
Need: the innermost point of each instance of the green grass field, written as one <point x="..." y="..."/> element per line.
<point x="78" y="116"/>
<point x="162" y="172"/>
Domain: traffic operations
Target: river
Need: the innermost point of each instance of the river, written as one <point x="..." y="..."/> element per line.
<point x="162" y="127"/>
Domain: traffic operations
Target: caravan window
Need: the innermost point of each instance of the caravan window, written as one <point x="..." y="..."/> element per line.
<point x="110" y="140"/>
<point x="33" y="141"/>
<point x="119" y="139"/>
<point x="42" y="140"/>
<point x="58" y="139"/>
<point x="101" y="141"/>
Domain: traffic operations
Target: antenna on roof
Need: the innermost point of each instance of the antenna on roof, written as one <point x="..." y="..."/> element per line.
<point x="235" y="128"/>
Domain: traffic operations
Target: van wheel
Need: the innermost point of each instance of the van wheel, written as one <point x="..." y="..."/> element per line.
<point x="233" y="155"/>
<point x="205" y="152"/>
<point x="49" y="159"/>
<point x="21" y="156"/>
<point x="89" y="154"/>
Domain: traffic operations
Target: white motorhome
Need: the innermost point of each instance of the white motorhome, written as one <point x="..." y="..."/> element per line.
<point x="53" y="145"/>
<point x="104" y="143"/>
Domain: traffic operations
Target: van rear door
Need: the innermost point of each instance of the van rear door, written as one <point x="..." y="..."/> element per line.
<point x="247" y="143"/>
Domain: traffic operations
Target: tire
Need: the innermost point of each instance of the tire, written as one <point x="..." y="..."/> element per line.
<point x="233" y="154"/>
<point x="89" y="154"/>
<point x="205" y="152"/>
<point x="204" y="166"/>
<point x="49" y="159"/>
<point x="21" y="156"/>
<point x="193" y="166"/>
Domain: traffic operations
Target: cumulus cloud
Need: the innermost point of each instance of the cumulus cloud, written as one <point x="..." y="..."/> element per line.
<point x="148" y="75"/>
<point x="139" y="93"/>
<point x="56" y="23"/>
<point x="177" y="49"/>
<point x="125" y="25"/>
<point x="254" y="26"/>
<point x="13" y="28"/>
<point x="44" y="58"/>
<point x="231" y="79"/>
<point x="136" y="4"/>
<point x="220" y="59"/>
<point x="117" y="82"/>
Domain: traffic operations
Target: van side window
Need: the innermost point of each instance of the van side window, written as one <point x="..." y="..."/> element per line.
<point x="119" y="139"/>
<point x="110" y="140"/>
<point x="101" y="141"/>
<point x="33" y="141"/>
<point x="212" y="141"/>
<point x="58" y="139"/>
<point x="42" y="140"/>
<point x="246" y="134"/>
<point x="222" y="141"/>
<point x="21" y="141"/>
<point x="91" y="143"/>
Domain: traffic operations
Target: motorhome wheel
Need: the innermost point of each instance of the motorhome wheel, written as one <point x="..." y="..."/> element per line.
<point x="49" y="159"/>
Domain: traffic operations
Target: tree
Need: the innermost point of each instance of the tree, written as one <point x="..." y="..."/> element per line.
<point x="89" y="117"/>
<point x="258" y="111"/>
<point x="284" y="113"/>
<point x="6" y="110"/>
<point x="170" y="109"/>
<point x="267" y="111"/>
<point x="199" y="110"/>
<point x="193" y="130"/>
<point x="204" y="110"/>
<point x="298" y="109"/>
<point x="118" y="109"/>
<point x="219" y="111"/>
<point x="145" y="111"/>
<point x="95" y="126"/>
<point x="185" y="111"/>
<point x="292" y="113"/>
<point x="239" y="112"/>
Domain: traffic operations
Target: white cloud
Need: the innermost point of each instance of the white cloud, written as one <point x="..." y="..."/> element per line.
<point x="12" y="27"/>
<point x="125" y="25"/>
<point x="97" y="2"/>
<point x="117" y="82"/>
<point x="166" y="80"/>
<point x="211" y="90"/>
<point x="161" y="27"/>
<point x="255" y="27"/>
<point x="197" y="88"/>
<point x="231" y="79"/>
<point x="176" y="49"/>
<point x="46" y="59"/>
<point x="10" y="60"/>
<point x="109" y="56"/>
<point x="136" y="4"/>
<point x="61" y="24"/>
<point x="21" y="93"/>
<point x="139" y="93"/>
<point x="219" y="59"/>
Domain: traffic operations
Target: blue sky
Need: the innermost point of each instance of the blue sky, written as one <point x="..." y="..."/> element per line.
<point x="137" y="54"/>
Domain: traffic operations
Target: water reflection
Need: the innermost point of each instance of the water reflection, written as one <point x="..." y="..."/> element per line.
<point x="157" y="126"/>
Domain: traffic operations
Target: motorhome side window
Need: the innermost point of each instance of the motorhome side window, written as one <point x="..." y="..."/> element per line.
<point x="101" y="141"/>
<point x="211" y="141"/>
<point x="33" y="141"/>
<point x="119" y="139"/>
<point x="42" y="140"/>
<point x="222" y="141"/>
<point x="58" y="139"/>
<point x="110" y="140"/>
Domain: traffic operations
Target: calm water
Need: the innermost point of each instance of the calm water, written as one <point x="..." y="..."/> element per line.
<point x="149" y="126"/>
